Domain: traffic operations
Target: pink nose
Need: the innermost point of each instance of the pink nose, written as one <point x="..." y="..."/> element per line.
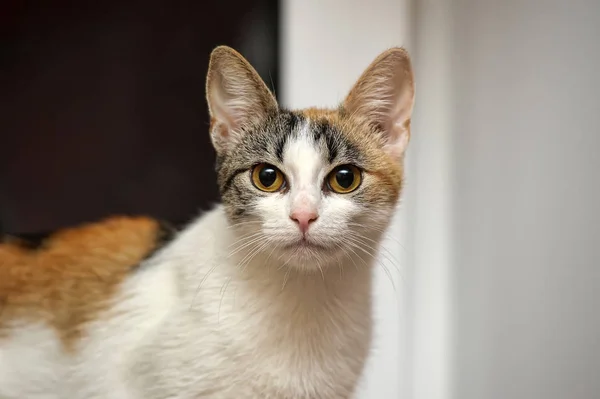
<point x="304" y="218"/>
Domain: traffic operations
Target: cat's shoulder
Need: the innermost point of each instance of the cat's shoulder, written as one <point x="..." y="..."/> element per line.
<point x="63" y="278"/>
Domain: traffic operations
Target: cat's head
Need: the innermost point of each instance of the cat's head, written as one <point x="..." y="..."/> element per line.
<point x="311" y="185"/>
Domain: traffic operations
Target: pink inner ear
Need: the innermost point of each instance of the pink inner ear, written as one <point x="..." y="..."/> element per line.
<point x="399" y="130"/>
<point x="399" y="136"/>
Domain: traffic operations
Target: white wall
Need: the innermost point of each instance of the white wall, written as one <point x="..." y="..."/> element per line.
<point x="326" y="44"/>
<point x="526" y="164"/>
<point x="430" y="212"/>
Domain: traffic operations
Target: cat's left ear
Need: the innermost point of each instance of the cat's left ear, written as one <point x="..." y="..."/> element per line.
<point x="237" y="97"/>
<point x="384" y="97"/>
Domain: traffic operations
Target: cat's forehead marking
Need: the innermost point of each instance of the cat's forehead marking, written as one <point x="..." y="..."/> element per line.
<point x="303" y="157"/>
<point x="37" y="281"/>
<point x="327" y="133"/>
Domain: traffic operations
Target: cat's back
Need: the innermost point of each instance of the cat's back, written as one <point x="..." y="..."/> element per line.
<point x="63" y="279"/>
<point x="73" y="302"/>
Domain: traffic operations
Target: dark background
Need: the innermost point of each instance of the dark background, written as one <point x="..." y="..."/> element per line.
<point x="103" y="109"/>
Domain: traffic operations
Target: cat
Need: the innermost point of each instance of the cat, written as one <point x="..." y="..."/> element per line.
<point x="268" y="295"/>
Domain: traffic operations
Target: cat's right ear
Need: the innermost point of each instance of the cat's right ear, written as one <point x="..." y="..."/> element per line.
<point x="237" y="97"/>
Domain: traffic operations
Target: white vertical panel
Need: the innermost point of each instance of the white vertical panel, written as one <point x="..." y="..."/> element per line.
<point x="326" y="44"/>
<point x="431" y="260"/>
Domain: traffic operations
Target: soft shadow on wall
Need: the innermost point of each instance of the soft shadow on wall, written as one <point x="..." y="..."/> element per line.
<point x="103" y="107"/>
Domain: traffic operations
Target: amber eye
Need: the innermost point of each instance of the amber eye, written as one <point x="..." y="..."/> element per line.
<point x="267" y="177"/>
<point x="344" y="179"/>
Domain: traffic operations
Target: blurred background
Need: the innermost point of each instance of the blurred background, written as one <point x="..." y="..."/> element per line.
<point x="495" y="289"/>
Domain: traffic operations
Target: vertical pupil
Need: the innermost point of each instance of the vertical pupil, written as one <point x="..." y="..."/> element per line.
<point x="267" y="176"/>
<point x="344" y="177"/>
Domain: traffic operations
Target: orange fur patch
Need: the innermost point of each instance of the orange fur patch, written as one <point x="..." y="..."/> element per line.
<point x="73" y="276"/>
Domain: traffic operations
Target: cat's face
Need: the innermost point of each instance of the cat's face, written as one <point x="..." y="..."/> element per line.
<point x="311" y="186"/>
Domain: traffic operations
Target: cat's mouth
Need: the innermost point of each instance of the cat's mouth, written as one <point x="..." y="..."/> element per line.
<point x="305" y="244"/>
